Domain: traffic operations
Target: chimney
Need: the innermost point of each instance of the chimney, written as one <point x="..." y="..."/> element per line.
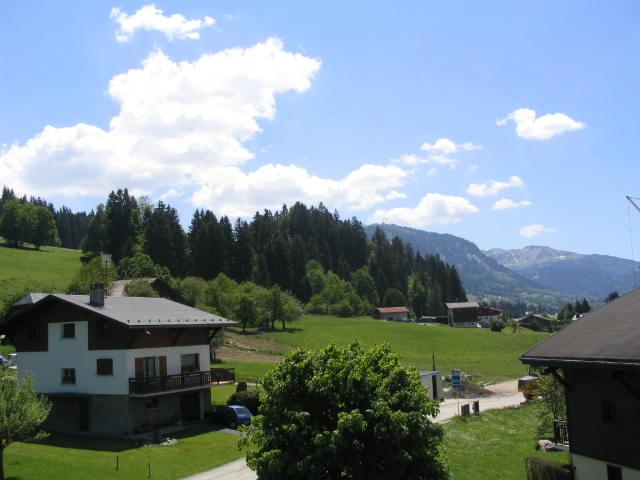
<point x="96" y="295"/>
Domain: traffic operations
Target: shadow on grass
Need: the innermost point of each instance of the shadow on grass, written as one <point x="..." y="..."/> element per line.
<point x="81" y="442"/>
<point x="20" y="247"/>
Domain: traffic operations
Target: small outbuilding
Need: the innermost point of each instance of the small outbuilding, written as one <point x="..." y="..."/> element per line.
<point x="396" y="314"/>
<point x="463" y="314"/>
<point x="432" y="380"/>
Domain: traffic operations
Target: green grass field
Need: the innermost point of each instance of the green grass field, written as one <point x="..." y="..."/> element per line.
<point x="494" y="445"/>
<point x="489" y="356"/>
<point x="50" y="269"/>
<point x="77" y="458"/>
<point x="246" y="371"/>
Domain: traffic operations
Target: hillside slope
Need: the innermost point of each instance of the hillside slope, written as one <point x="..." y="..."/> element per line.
<point x="481" y="274"/>
<point x="569" y="272"/>
<point x="47" y="270"/>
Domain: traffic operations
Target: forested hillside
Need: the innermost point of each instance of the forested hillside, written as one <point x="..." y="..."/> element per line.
<point x="324" y="260"/>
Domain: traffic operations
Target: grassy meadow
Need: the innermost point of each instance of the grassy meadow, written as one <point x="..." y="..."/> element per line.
<point x="489" y="356"/>
<point x="80" y="458"/>
<point x="47" y="270"/>
<point x="494" y="445"/>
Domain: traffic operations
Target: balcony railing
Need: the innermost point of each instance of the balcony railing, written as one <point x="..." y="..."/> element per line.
<point x="167" y="383"/>
<point x="560" y="432"/>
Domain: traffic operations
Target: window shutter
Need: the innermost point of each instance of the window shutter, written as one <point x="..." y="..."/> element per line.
<point x="163" y="365"/>
<point x="139" y="367"/>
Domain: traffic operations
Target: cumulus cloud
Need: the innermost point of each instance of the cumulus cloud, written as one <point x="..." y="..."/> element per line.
<point x="508" y="204"/>
<point x="493" y="187"/>
<point x="176" y="121"/>
<point x="531" y="127"/>
<point x="150" y="17"/>
<point x="271" y="185"/>
<point x="441" y="153"/>
<point x="432" y="209"/>
<point x="535" y="229"/>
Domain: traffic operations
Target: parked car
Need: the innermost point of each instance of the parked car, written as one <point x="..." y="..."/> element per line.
<point x="230" y="416"/>
<point x="2" y="360"/>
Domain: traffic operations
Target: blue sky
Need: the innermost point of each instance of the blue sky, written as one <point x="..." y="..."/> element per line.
<point x="242" y="105"/>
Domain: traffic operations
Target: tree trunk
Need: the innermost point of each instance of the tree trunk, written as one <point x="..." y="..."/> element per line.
<point x="1" y="463"/>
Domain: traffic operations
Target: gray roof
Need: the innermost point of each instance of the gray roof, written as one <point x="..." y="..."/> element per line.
<point x="608" y="335"/>
<point x="463" y="305"/>
<point x="144" y="312"/>
<point x="29" y="299"/>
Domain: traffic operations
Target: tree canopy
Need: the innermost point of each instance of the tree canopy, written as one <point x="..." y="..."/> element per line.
<point x="345" y="413"/>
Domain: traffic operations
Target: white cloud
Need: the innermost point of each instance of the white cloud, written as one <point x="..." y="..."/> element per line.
<point x="177" y="121"/>
<point x="150" y="17"/>
<point x="535" y="229"/>
<point x="433" y="208"/>
<point x="493" y="187"/>
<point x="439" y="153"/>
<point x="446" y="146"/>
<point x="540" y="128"/>
<point x="474" y="168"/>
<point x="508" y="204"/>
<point x="229" y="189"/>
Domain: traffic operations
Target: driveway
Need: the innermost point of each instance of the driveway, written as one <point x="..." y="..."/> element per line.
<point x="506" y="395"/>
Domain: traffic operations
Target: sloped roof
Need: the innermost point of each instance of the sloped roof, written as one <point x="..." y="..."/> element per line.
<point x="136" y="312"/>
<point x="463" y="305"/>
<point x="392" y="310"/>
<point x="608" y="335"/>
<point x="29" y="299"/>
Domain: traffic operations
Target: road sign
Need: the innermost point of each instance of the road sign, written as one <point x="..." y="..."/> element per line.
<point x="456" y="380"/>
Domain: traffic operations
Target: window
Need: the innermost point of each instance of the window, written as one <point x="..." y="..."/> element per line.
<point x="149" y="366"/>
<point x="151" y="403"/>
<point x="69" y="376"/>
<point x="68" y="330"/>
<point x="189" y="363"/>
<point x="104" y="366"/>
<point x="614" y="472"/>
<point x="608" y="411"/>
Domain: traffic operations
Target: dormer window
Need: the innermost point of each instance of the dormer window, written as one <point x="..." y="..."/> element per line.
<point x="68" y="330"/>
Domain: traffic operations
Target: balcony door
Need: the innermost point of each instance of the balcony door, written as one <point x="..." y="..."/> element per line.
<point x="150" y="367"/>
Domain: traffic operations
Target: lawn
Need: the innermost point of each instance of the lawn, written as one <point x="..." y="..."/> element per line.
<point x="75" y="458"/>
<point x="221" y="393"/>
<point x="246" y="371"/>
<point x="47" y="270"/>
<point x="494" y="445"/>
<point x="490" y="356"/>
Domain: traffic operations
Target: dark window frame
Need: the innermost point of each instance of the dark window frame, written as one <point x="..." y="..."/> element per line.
<point x="69" y="330"/>
<point x="104" y="366"/>
<point x="614" y="472"/>
<point x="188" y="368"/>
<point x="69" y="376"/>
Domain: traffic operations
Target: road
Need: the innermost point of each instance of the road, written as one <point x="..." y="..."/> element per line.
<point x="506" y="395"/>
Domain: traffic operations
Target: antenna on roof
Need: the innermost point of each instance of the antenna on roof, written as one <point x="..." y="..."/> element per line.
<point x="106" y="262"/>
<point x="633" y="259"/>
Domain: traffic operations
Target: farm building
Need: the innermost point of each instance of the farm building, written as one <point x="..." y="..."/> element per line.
<point x="396" y="314"/>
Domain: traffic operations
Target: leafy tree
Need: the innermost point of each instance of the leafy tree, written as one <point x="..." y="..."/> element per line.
<point x="139" y="288"/>
<point x="291" y="310"/>
<point x="22" y="412"/>
<point x="217" y="341"/>
<point x="394" y="298"/>
<point x="418" y="295"/>
<point x="193" y="289"/>
<point x="11" y="223"/>
<point x="550" y="400"/>
<point x="612" y="296"/>
<point x="275" y="306"/>
<point x="364" y="286"/>
<point x="92" y="273"/>
<point x="245" y="311"/>
<point x="140" y="265"/>
<point x="42" y="227"/>
<point x="344" y="413"/>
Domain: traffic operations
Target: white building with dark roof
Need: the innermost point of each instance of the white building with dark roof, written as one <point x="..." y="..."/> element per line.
<point x="124" y="365"/>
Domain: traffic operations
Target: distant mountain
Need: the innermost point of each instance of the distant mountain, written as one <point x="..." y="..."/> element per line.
<point x="480" y="274"/>
<point x="572" y="273"/>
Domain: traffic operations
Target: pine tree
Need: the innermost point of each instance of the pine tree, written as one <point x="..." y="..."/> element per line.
<point x="94" y="241"/>
<point x="122" y="224"/>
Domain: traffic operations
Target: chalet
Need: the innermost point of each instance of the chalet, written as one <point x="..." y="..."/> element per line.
<point x="397" y="314"/>
<point x="463" y="314"/>
<point x="537" y="323"/>
<point x="488" y="314"/>
<point x="597" y="360"/>
<point x="119" y="366"/>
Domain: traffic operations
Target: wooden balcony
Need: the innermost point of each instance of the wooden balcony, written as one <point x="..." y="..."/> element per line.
<point x="183" y="381"/>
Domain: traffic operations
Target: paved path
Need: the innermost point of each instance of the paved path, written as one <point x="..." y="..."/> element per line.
<point x="506" y="395"/>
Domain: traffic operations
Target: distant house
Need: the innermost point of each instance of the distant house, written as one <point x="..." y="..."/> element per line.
<point x="397" y="314"/>
<point x="463" y="314"/>
<point x="537" y="323"/>
<point x="488" y="314"/>
<point x="117" y="365"/>
<point x="597" y="360"/>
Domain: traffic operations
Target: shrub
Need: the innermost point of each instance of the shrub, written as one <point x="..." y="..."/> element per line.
<point x="247" y="398"/>
<point x="542" y="469"/>
<point x="242" y="387"/>
<point x="497" y="325"/>
<point x="139" y="288"/>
